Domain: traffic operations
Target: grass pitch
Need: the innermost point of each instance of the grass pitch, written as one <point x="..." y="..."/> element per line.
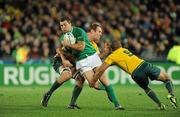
<point x="25" y="102"/>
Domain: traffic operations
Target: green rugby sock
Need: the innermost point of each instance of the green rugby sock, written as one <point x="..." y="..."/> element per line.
<point x="153" y="96"/>
<point x="111" y="95"/>
<point x="54" y="87"/>
<point x="77" y="90"/>
<point x="169" y="87"/>
<point x="101" y="86"/>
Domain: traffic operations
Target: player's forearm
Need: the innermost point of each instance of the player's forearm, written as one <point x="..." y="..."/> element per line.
<point x="100" y="71"/>
<point x="102" y="55"/>
<point x="97" y="75"/>
<point x="69" y="56"/>
<point x="78" y="46"/>
<point x="62" y="57"/>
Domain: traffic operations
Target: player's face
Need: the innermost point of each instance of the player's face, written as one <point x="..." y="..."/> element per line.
<point x="65" y="26"/>
<point x="97" y="34"/>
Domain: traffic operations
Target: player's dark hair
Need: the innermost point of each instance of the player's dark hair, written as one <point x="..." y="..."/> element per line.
<point x="93" y="26"/>
<point x="115" y="44"/>
<point x="64" y="18"/>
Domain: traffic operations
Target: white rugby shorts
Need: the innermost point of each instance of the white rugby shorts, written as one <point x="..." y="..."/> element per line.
<point x="88" y="63"/>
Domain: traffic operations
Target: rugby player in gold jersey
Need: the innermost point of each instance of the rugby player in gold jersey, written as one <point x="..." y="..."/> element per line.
<point x="140" y="71"/>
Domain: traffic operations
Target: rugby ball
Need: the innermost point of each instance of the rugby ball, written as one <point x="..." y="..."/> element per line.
<point x="69" y="38"/>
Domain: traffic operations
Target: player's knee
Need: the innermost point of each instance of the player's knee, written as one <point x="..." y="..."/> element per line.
<point x="80" y="83"/>
<point x="80" y="79"/>
<point x="96" y="86"/>
<point x="167" y="80"/>
<point x="59" y="81"/>
<point x="163" y="77"/>
<point x="90" y="82"/>
<point x="105" y="81"/>
<point x="68" y="74"/>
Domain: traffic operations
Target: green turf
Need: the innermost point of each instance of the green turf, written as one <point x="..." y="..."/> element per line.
<point x="25" y="102"/>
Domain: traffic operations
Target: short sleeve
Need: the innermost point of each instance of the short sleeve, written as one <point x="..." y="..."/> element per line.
<point x="80" y="35"/>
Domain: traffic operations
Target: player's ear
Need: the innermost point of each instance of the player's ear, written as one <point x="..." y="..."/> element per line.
<point x="91" y="31"/>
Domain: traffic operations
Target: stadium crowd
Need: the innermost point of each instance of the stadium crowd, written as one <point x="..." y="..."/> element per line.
<point x="149" y="28"/>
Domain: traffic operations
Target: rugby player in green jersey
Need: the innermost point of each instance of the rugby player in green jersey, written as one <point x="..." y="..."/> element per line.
<point x="87" y="60"/>
<point x="68" y="74"/>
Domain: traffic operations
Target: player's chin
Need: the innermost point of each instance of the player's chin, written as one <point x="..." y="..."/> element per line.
<point x="65" y="31"/>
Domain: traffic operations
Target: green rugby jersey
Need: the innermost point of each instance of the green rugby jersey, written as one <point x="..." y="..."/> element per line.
<point x="80" y="35"/>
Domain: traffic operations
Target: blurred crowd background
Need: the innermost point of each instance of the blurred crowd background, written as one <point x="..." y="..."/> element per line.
<point x="29" y="29"/>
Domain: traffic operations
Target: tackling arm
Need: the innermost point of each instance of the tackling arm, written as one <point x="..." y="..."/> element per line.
<point x="99" y="72"/>
<point x="65" y="62"/>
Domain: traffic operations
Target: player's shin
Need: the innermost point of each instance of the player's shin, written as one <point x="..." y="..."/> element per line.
<point x="55" y="86"/>
<point x="169" y="87"/>
<point x="76" y="92"/>
<point x="65" y="76"/>
<point x="153" y="96"/>
<point x="112" y="95"/>
<point x="171" y="97"/>
<point x="99" y="86"/>
<point x="47" y="95"/>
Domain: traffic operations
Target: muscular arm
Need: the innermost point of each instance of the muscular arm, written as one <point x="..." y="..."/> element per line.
<point x="60" y="53"/>
<point x="100" y="71"/>
<point x="79" y="46"/>
<point x="103" y="54"/>
<point x="65" y="62"/>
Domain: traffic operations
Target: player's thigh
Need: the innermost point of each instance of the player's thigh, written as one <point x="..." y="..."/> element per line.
<point x="103" y="79"/>
<point x="152" y="71"/>
<point x="95" y="61"/>
<point x="142" y="82"/>
<point x="65" y="76"/>
<point x="88" y="75"/>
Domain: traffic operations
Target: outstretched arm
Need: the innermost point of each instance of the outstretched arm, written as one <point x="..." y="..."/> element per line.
<point x="98" y="73"/>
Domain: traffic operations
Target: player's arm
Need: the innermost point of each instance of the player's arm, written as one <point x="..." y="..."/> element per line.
<point x="106" y="50"/>
<point x="65" y="62"/>
<point x="80" y="41"/>
<point x="98" y="73"/>
<point x="79" y="46"/>
<point x="103" y="54"/>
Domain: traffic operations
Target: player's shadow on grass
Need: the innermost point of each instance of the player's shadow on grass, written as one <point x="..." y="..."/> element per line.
<point x="97" y="108"/>
<point x="29" y="108"/>
<point x="130" y="109"/>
